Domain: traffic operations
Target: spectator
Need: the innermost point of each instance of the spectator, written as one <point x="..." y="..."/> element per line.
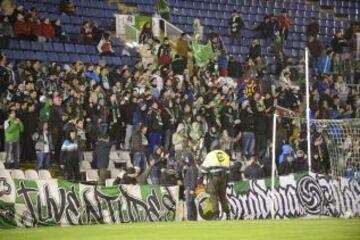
<point x="300" y="162"/>
<point x="160" y="158"/>
<point x="223" y="64"/>
<point x="198" y="29"/>
<point x="8" y="7"/>
<point x="284" y="22"/>
<point x="6" y="32"/>
<point x="248" y="136"/>
<point x="133" y="177"/>
<point x="101" y="156"/>
<point x="43" y="147"/>
<point x="58" y="32"/>
<point x="70" y="157"/>
<point x="46" y="31"/>
<point x="87" y="33"/>
<point x="67" y="7"/>
<point x="312" y="29"/>
<point x="6" y="74"/>
<point x="234" y="68"/>
<point x="104" y="47"/>
<point x="182" y="47"/>
<point x="253" y="171"/>
<point x="262" y="29"/>
<point x="164" y="53"/>
<point x="255" y="50"/>
<point x="139" y="148"/>
<point x="235" y="172"/>
<point x="146" y="34"/>
<point x="325" y="63"/>
<point x="178" y="65"/>
<point x="13" y="128"/>
<point x="236" y="24"/>
<point x="156" y="127"/>
<point x="190" y="182"/>
<point x="21" y="28"/>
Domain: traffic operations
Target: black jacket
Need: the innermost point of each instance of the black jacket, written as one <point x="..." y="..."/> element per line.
<point x="178" y="66"/>
<point x="137" y="144"/>
<point x="254" y="171"/>
<point x="101" y="154"/>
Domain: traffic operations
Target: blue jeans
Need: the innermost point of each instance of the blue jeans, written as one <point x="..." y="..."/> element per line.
<point x="129" y="131"/>
<point x="190" y="205"/>
<point x="168" y="139"/>
<point x="13" y="148"/>
<point x="248" y="143"/>
<point x="155" y="139"/>
<point x="139" y="160"/>
<point x="155" y="180"/>
<point x="42" y="160"/>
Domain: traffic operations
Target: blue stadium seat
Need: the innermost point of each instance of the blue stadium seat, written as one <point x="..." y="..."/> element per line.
<point x="80" y="48"/>
<point x="14" y="44"/>
<point x="37" y="46"/>
<point x="48" y="47"/>
<point x="73" y="57"/>
<point x="59" y="47"/>
<point x="85" y="59"/>
<point x="29" y="55"/>
<point x="52" y="57"/>
<point x="69" y="48"/>
<point x="25" y="44"/>
<point x="18" y="55"/>
<point x="63" y="57"/>
<point x="95" y="59"/>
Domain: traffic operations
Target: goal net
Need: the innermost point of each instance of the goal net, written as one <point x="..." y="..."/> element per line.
<point x="335" y="146"/>
<point x="342" y="138"/>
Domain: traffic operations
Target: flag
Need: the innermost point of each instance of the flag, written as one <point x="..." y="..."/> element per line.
<point x="202" y="53"/>
<point x="163" y="9"/>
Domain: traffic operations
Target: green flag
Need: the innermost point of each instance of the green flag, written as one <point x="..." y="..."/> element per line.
<point x="163" y="9"/>
<point x="202" y="53"/>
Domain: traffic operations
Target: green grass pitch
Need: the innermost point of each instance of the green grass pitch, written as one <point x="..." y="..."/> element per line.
<point x="309" y="229"/>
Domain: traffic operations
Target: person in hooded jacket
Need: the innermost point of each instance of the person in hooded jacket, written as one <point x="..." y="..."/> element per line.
<point x="190" y="182"/>
<point x="70" y="156"/>
<point x="101" y="156"/>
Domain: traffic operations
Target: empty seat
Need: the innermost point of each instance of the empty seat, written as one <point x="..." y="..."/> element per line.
<point x="88" y="156"/>
<point x="18" y="174"/>
<point x="114" y="173"/>
<point x="36" y="46"/>
<point x="25" y="44"/>
<point x="31" y="174"/>
<point x="58" y="47"/>
<point x="70" y="48"/>
<point x="4" y="173"/>
<point x="52" y="57"/>
<point x="80" y="48"/>
<point x="47" y="47"/>
<point x="111" y="165"/>
<point x="84" y="166"/>
<point x="44" y="174"/>
<point x="63" y="57"/>
<point x="92" y="175"/>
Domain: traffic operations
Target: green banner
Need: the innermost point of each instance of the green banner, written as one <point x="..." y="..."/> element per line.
<point x="29" y="203"/>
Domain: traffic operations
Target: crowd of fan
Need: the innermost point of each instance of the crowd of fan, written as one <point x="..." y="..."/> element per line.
<point x="168" y="113"/>
<point x="28" y="25"/>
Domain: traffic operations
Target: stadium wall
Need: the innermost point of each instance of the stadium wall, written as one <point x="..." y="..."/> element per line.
<point x="28" y="203"/>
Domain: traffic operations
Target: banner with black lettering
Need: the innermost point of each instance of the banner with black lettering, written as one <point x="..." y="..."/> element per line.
<point x="296" y="195"/>
<point x="29" y="203"/>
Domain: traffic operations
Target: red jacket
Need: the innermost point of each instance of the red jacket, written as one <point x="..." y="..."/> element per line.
<point x="284" y="22"/>
<point x="21" y="28"/>
<point x="47" y="30"/>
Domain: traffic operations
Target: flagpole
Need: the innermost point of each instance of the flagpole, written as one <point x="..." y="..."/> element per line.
<point x="273" y="168"/>
<point x="308" y="127"/>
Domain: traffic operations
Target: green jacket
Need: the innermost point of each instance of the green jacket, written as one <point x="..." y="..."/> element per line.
<point x="13" y="130"/>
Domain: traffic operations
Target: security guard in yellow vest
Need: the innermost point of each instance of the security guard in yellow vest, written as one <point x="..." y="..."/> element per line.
<point x="216" y="167"/>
